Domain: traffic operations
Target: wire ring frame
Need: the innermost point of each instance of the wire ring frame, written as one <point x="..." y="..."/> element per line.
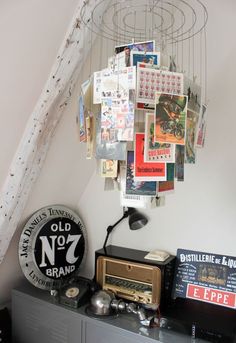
<point x="171" y="21"/>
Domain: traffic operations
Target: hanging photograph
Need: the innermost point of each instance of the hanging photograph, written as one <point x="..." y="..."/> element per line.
<point x="155" y="151"/>
<point x="90" y="136"/>
<point x="194" y="92"/>
<point x="146" y="46"/>
<point x="117" y="120"/>
<point x="201" y="128"/>
<point x="179" y="162"/>
<point x="170" y="118"/>
<point x="97" y="83"/>
<point x="148" y="188"/>
<point x="109" y="168"/>
<point x="167" y="186"/>
<point x="146" y="171"/>
<point x="131" y="200"/>
<point x="106" y="150"/>
<point x="190" y="150"/>
<point x="118" y="82"/>
<point x="80" y="120"/>
<point x="151" y="58"/>
<point x="117" y="61"/>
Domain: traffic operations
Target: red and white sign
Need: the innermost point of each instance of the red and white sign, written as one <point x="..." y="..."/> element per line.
<point x="211" y="295"/>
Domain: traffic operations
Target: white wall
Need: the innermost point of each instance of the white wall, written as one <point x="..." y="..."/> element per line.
<point x="31" y="32"/>
<point x="200" y="214"/>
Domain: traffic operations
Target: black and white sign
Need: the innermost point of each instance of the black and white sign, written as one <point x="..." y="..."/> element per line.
<point x="52" y="246"/>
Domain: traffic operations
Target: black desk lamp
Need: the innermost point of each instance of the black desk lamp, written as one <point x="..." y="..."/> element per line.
<point x="136" y="221"/>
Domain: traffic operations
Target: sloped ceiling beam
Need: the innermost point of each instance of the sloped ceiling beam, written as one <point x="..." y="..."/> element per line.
<point x="31" y="152"/>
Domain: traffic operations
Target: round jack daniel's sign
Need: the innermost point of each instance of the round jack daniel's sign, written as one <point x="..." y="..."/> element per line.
<point x="52" y="246"/>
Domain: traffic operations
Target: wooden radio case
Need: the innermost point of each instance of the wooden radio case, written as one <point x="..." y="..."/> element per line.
<point x="130" y="276"/>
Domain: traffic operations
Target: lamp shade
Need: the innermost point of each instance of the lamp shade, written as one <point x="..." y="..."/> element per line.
<point x="137" y="220"/>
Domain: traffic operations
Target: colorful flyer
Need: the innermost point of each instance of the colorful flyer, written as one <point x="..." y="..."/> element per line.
<point x="190" y="151"/>
<point x="150" y="81"/>
<point x="146" y="171"/>
<point x="151" y="58"/>
<point x="148" y="188"/>
<point x="155" y="151"/>
<point x="109" y="168"/>
<point x="170" y="118"/>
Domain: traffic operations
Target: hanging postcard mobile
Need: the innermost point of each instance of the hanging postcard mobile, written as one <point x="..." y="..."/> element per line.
<point x="170" y="118"/>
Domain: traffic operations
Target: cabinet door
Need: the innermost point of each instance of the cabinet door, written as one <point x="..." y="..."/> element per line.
<point x="95" y="332"/>
<point x="39" y="322"/>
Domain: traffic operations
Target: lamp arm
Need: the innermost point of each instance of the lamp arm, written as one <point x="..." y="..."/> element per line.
<point x="111" y="227"/>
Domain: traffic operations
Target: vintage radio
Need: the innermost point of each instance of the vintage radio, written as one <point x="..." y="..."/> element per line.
<point x="126" y="273"/>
